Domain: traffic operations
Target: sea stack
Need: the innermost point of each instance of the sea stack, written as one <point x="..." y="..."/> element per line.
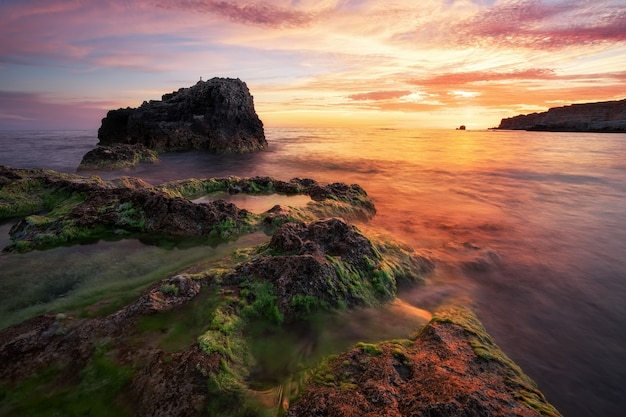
<point x="216" y="115"/>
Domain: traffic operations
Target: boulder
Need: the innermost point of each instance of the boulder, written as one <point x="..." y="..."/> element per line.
<point x="325" y="265"/>
<point x="607" y="116"/>
<point x="216" y="115"/>
<point x="118" y="156"/>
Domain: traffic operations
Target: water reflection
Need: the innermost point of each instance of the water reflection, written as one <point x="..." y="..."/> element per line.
<point x="304" y="343"/>
<point x="108" y="272"/>
<point x="257" y="203"/>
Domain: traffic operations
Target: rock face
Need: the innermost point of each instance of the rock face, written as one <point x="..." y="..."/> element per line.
<point x="607" y="116"/>
<point x="216" y="115"/>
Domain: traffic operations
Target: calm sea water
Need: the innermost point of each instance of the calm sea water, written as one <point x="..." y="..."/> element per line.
<point x="528" y="227"/>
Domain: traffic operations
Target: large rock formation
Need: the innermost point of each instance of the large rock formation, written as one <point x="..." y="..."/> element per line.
<point x="607" y="116"/>
<point x="216" y="115"/>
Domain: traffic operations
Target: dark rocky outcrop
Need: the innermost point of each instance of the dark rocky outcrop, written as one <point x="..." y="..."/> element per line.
<point x="216" y="115"/>
<point x="607" y="116"/>
<point x="119" y="156"/>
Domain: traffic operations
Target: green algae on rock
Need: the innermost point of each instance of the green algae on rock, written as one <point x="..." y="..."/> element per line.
<point x="118" y="156"/>
<point x="62" y="209"/>
<point x="452" y="368"/>
<point x="213" y="373"/>
<point x="313" y="262"/>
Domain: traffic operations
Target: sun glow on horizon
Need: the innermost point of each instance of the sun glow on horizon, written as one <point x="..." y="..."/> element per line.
<point x="430" y="64"/>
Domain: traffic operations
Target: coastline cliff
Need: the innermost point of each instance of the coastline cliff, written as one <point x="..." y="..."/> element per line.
<point x="606" y="116"/>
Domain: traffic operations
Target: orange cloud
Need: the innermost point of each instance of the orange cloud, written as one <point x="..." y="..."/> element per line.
<point x="455" y="79"/>
<point x="378" y="95"/>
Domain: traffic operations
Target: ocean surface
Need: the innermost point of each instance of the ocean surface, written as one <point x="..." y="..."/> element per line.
<point x="527" y="227"/>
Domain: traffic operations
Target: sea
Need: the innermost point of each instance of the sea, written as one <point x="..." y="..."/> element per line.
<point x="528" y="228"/>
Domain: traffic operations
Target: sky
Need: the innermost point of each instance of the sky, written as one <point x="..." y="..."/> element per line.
<point x="402" y="63"/>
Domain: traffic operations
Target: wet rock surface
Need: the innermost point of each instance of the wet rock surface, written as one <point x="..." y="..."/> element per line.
<point x="58" y="209"/>
<point x="101" y="358"/>
<point x="141" y="380"/>
<point x="319" y="266"/>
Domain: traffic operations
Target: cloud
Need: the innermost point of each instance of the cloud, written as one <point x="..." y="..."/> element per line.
<point x="455" y="79"/>
<point x="259" y="13"/>
<point x="521" y="24"/>
<point x="537" y="24"/>
<point x="379" y="95"/>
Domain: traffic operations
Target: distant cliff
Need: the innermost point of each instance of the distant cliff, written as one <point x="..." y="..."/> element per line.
<point x="216" y="115"/>
<point x="607" y="116"/>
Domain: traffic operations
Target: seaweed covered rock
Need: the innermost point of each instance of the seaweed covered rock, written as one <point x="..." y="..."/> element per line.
<point x="99" y="355"/>
<point x="58" y="209"/>
<point x="216" y="115"/>
<point x="62" y="365"/>
<point x="452" y="369"/>
<point x="323" y="265"/>
<point x="118" y="211"/>
<point x="117" y="156"/>
<point x="350" y="202"/>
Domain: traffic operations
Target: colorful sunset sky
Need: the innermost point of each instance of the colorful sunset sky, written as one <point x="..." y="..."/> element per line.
<point x="400" y="63"/>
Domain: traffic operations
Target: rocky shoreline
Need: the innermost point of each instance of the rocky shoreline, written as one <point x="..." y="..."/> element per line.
<point x="315" y="260"/>
<point x="601" y="117"/>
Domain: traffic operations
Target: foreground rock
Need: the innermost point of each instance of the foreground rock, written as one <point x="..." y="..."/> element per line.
<point x="59" y="209"/>
<point x="216" y="115"/>
<point x="183" y="347"/>
<point x="452" y="369"/>
<point x="62" y="364"/>
<point x="607" y="116"/>
<point x="327" y="265"/>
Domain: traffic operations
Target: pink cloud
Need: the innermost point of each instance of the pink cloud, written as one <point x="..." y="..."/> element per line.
<point x="260" y="13"/>
<point x="535" y="24"/>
